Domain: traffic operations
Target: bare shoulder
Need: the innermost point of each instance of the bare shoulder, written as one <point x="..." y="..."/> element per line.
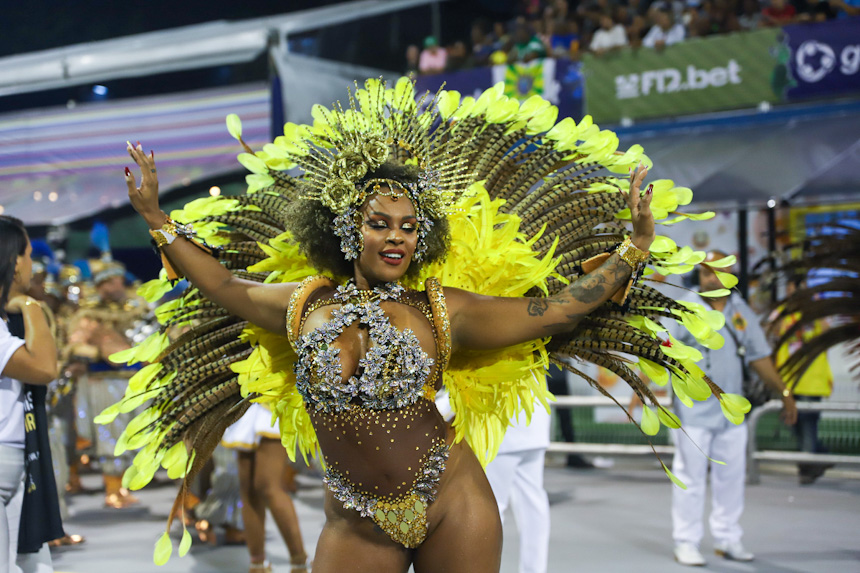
<point x="457" y="299"/>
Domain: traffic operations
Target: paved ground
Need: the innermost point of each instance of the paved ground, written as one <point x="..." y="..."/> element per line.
<point x="605" y="521"/>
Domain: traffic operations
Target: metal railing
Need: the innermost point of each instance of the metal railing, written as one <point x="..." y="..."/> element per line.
<point x="754" y="456"/>
<point x="602" y="449"/>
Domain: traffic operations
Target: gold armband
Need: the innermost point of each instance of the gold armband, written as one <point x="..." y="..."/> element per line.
<point x="167" y="234"/>
<point x="632" y="255"/>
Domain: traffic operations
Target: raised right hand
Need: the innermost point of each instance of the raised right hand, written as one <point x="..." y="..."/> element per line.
<point x="144" y="199"/>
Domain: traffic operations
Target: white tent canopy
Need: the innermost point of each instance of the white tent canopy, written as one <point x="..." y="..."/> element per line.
<point x="801" y="155"/>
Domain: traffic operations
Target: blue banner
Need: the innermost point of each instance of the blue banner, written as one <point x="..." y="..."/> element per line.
<point x="824" y="59"/>
<point x="558" y="81"/>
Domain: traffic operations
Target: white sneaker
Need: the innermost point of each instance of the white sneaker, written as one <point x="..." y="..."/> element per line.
<point x="688" y="554"/>
<point x="733" y="550"/>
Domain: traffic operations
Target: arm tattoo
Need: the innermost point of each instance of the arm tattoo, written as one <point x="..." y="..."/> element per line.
<point x="537" y="306"/>
<point x="590" y="291"/>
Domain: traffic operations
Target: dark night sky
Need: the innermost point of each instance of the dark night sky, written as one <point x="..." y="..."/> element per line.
<point x="41" y="24"/>
<point x="35" y="25"/>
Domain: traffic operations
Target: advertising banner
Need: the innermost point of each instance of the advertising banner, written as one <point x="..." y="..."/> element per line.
<point x="558" y="81"/>
<point x="825" y="59"/>
<point x="699" y="75"/>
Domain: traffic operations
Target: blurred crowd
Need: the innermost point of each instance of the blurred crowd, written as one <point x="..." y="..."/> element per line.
<point x="567" y="28"/>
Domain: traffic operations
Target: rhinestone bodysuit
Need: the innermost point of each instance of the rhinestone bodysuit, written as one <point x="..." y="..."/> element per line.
<point x="382" y="438"/>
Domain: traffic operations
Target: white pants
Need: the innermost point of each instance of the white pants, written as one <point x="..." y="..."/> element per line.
<point x="11" y="498"/>
<point x="517" y="478"/>
<point x="36" y="562"/>
<point x="727" y="483"/>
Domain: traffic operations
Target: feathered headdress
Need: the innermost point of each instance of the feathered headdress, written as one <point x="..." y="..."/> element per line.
<point x="340" y="152"/>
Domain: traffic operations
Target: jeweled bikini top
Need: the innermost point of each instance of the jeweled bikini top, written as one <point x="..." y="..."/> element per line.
<point x="391" y="375"/>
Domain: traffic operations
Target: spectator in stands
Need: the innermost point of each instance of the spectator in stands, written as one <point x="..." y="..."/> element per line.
<point x="610" y="37"/>
<point x="564" y="39"/>
<point x="665" y="31"/>
<point x="527" y="46"/>
<point x="636" y="8"/>
<point x="561" y="9"/>
<point x="502" y="38"/>
<point x="778" y="13"/>
<point x="458" y="57"/>
<point x="589" y="15"/>
<point x="750" y="18"/>
<point x="412" y="55"/>
<point x="433" y="59"/>
<point x="483" y="43"/>
<point x="676" y="7"/>
<point x="560" y="31"/>
<point x="823" y="11"/>
<point x="636" y="31"/>
<point x="531" y="9"/>
<point x="716" y="18"/>
<point x="846" y="8"/>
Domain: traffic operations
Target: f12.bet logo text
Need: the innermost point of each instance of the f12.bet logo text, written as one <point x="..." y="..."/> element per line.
<point x="673" y="80"/>
<point x="814" y="60"/>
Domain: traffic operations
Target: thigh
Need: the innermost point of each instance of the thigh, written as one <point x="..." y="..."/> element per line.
<point x="351" y="543"/>
<point x="465" y="530"/>
<point x="11" y="472"/>
<point x="12" y="493"/>
<point x="245" y="465"/>
<point x="269" y="461"/>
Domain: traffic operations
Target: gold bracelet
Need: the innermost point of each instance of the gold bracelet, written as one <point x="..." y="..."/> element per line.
<point x="159" y="237"/>
<point x="632" y="255"/>
<point x="169" y="231"/>
<point x="31" y="301"/>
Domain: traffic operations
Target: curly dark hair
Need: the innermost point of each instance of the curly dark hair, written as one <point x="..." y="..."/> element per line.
<point x="310" y="223"/>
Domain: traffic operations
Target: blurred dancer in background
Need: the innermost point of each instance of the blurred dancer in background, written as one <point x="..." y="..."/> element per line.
<point x="815" y="384"/>
<point x="99" y="329"/>
<point x="262" y="459"/>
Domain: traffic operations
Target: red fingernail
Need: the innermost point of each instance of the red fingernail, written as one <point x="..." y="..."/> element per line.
<point x="138" y="143"/>
<point x="127" y="172"/>
<point x="152" y="154"/>
<point x="650" y="188"/>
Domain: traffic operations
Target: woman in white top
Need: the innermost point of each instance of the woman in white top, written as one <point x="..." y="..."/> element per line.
<point x="29" y="361"/>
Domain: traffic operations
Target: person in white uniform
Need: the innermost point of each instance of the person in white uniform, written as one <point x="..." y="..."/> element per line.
<point x="516" y="477"/>
<point x="707" y="428"/>
<point x="32" y="360"/>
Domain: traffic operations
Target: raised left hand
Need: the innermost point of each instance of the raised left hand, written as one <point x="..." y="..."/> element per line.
<point x="640" y="209"/>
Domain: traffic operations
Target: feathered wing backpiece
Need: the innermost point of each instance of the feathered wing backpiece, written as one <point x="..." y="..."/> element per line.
<point x="532" y="204"/>
<point x="832" y="254"/>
